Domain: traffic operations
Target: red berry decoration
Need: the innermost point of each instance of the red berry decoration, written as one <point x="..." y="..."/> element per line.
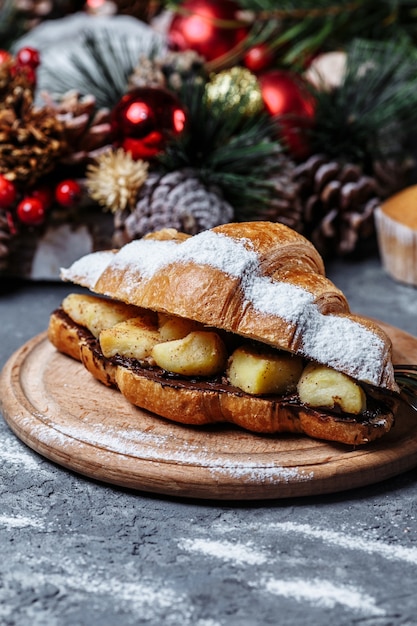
<point x="286" y="96"/>
<point x="209" y="27"/>
<point x="44" y="194"/>
<point x="5" y="57"/>
<point x="8" y="193"/>
<point x="68" y="192"/>
<point x="144" y="119"/>
<point x="31" y="212"/>
<point x="258" y="58"/>
<point x="28" y="57"/>
<point x="26" y="70"/>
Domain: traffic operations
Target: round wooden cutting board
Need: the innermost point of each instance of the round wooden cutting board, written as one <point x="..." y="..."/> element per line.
<point x="57" y="408"/>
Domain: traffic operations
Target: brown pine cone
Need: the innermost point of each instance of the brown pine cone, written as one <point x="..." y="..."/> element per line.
<point x="285" y="205"/>
<point x="16" y="87"/>
<point x="391" y="176"/>
<point x="31" y="140"/>
<point x="180" y="67"/>
<point x="86" y="129"/>
<point x="170" y="70"/>
<point x="338" y="204"/>
<point x="175" y="200"/>
<point x="147" y="73"/>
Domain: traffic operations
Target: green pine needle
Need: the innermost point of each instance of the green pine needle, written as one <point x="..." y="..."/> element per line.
<point x="229" y="148"/>
<point x="12" y="23"/>
<point x="101" y="66"/>
<point x="370" y="115"/>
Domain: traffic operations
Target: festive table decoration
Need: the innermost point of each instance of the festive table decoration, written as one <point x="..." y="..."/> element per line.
<point x="210" y="27"/>
<point x="193" y="113"/>
<point x="145" y="119"/>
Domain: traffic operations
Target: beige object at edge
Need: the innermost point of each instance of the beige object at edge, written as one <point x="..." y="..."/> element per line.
<point x="396" y="224"/>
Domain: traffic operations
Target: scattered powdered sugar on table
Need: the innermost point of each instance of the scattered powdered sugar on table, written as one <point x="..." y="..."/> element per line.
<point x="316" y="592"/>
<point x="19" y="521"/>
<point x="324" y="593"/>
<point x="149" y="598"/>
<point x="338" y="341"/>
<point x="344" y="541"/>
<point x="15" y="453"/>
<point x="226" y="550"/>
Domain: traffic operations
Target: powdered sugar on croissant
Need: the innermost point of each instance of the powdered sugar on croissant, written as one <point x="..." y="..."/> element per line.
<point x="259" y="280"/>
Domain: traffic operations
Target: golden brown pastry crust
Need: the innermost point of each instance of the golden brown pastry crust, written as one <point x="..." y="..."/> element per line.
<point x="200" y="405"/>
<point x="211" y="294"/>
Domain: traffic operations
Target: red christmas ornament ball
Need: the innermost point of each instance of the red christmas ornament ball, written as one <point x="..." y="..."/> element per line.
<point x="143" y="148"/>
<point x="28" y="56"/>
<point x="8" y="193"/>
<point x="144" y="119"/>
<point x="31" y="211"/>
<point x="286" y="96"/>
<point x="258" y="58"/>
<point x="209" y="27"/>
<point x="67" y="192"/>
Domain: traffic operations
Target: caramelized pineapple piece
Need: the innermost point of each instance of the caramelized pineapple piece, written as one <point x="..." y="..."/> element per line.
<point x="133" y="338"/>
<point x="172" y="327"/>
<point x="321" y="386"/>
<point x="96" y="313"/>
<point x="200" y="353"/>
<point x="259" y="372"/>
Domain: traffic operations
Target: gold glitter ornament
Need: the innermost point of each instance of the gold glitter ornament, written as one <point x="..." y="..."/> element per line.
<point x="236" y="88"/>
<point x="115" y="179"/>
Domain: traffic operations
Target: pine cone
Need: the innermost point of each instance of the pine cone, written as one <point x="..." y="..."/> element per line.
<point x="175" y="200"/>
<point x="15" y="86"/>
<point x="180" y="67"/>
<point x="338" y="204"/>
<point x="170" y="70"/>
<point x="86" y="129"/>
<point x="31" y="141"/>
<point x="147" y="73"/>
<point x="285" y="205"/>
<point x="391" y="176"/>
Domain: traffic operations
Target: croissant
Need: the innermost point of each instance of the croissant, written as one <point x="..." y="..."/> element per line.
<point x="236" y="324"/>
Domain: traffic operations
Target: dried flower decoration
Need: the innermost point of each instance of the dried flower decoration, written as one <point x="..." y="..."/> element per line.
<point x="114" y="179"/>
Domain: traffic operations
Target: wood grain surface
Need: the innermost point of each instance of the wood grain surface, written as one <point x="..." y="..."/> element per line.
<point x="58" y="409"/>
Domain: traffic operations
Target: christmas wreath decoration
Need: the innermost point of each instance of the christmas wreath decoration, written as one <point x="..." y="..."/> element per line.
<point x="230" y="114"/>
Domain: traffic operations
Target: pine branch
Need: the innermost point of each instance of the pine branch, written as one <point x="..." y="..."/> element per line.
<point x="236" y="151"/>
<point x="370" y="115"/>
<point x="12" y="24"/>
<point x="297" y="29"/>
<point x="101" y="67"/>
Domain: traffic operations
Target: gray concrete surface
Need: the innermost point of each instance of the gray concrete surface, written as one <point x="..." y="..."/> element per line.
<point x="75" y="552"/>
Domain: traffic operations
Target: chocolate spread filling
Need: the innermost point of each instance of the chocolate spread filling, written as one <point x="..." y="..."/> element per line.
<point x="379" y="401"/>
